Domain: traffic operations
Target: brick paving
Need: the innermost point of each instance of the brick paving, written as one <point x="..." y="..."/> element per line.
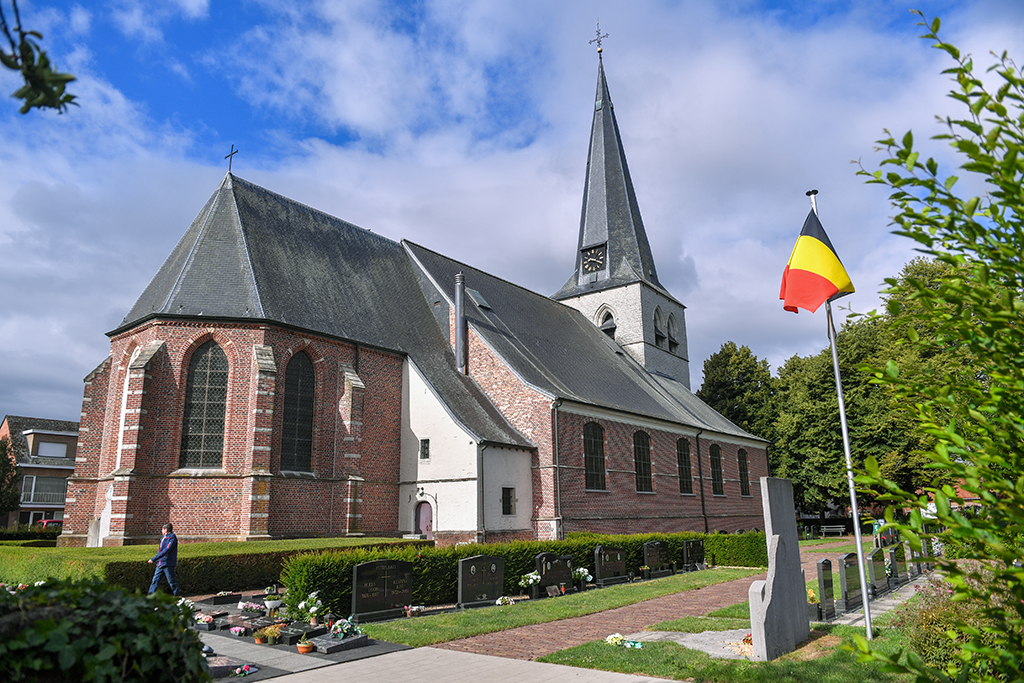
<point x="531" y="642"/>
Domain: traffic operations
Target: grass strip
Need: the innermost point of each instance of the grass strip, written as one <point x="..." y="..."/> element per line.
<point x="824" y="661"/>
<point x="441" y="628"/>
<point x="24" y="564"/>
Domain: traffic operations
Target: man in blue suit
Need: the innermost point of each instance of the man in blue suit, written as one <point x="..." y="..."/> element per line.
<point x="166" y="560"/>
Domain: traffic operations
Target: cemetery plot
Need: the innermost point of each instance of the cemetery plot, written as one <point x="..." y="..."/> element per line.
<point x="481" y="580"/>
<point x="293" y="633"/>
<point x="555" y="575"/>
<point x="380" y="589"/>
<point x="609" y="566"/>
<point x="222" y="599"/>
<point x="849" y="584"/>
<point x="693" y="555"/>
<point x="656" y="557"/>
<point x="825" y="588"/>
<point x="327" y="645"/>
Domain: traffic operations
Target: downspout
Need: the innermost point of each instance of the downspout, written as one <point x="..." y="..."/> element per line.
<point x="480" y="493"/>
<point x="461" y="361"/>
<point x="700" y="475"/>
<point x="558" y="483"/>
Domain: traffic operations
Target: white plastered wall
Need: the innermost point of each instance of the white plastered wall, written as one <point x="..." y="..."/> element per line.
<point x="507" y="468"/>
<point x="449" y="476"/>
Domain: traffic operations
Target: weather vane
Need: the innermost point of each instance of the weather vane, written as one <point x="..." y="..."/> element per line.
<point x="230" y="157"/>
<point x="599" y="38"/>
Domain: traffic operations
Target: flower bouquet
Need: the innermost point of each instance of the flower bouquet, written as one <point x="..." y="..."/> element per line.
<point x="244" y="670"/>
<point x="238" y="631"/>
<point x="531" y="579"/>
<point x="343" y="628"/>
<point x="203" y="622"/>
<point x="250" y="607"/>
<point x="504" y="601"/>
<point x="618" y="640"/>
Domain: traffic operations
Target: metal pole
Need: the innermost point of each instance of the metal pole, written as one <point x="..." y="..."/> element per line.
<point x="846" y="450"/>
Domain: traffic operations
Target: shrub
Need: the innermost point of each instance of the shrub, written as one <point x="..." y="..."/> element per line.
<point x="91" y="631"/>
<point x="24" y="532"/>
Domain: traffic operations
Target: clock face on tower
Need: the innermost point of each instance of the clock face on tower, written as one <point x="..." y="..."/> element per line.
<point x="594" y="258"/>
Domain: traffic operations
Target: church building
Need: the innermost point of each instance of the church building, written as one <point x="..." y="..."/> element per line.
<point x="288" y="374"/>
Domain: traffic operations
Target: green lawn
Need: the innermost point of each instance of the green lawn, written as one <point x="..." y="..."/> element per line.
<point x="832" y="663"/>
<point x="444" y="627"/>
<point x="851" y="547"/>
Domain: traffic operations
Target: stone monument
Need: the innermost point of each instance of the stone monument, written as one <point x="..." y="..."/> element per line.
<point x="778" y="605"/>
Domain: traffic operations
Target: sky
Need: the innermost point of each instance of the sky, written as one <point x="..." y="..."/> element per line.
<point x="463" y="126"/>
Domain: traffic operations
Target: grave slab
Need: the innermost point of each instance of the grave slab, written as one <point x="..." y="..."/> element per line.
<point x="328" y="645"/>
<point x="481" y="580"/>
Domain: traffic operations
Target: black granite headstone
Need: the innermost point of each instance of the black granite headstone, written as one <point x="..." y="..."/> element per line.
<point x="327" y="645"/>
<point x="554" y="570"/>
<point x="656" y="557"/>
<point x="849" y="584"/>
<point x="381" y="589"/>
<point x="693" y="555"/>
<point x="609" y="566"/>
<point x="825" y="590"/>
<point x="481" y="580"/>
<point x="877" y="580"/>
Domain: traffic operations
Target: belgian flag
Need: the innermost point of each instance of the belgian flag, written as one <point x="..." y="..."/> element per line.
<point x="814" y="273"/>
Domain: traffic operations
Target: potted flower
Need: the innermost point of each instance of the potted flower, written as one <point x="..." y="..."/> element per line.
<point x="310" y="608"/>
<point x="305" y="647"/>
<point x="413" y="610"/>
<point x="272" y="633"/>
<point x="582" y="576"/>
<point x="813" y="605"/>
<point x="530" y="582"/>
<point x="260" y="636"/>
<point x="251" y="607"/>
<point x="238" y="631"/>
<point x="645" y="572"/>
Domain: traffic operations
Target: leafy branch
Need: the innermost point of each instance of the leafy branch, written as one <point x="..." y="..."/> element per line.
<point x="44" y="87"/>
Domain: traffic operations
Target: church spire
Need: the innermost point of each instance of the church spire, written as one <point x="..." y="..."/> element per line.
<point x="613" y="249"/>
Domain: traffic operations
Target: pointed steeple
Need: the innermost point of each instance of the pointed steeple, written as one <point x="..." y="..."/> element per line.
<point x="613" y="249"/>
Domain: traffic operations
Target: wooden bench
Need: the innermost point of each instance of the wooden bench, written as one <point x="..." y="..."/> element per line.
<point x="837" y="529"/>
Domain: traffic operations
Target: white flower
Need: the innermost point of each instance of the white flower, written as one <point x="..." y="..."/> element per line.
<point x="313" y="609"/>
<point x="302" y="605"/>
<point x="40" y="583"/>
<point x="614" y="639"/>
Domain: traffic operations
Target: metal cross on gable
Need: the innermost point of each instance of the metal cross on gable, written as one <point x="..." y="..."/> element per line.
<point x="230" y="157"/>
<point x="599" y="37"/>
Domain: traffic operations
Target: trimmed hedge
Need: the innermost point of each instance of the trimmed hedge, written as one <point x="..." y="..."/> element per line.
<point x="435" y="570"/>
<point x="89" y="631"/>
<point x="24" y="532"/>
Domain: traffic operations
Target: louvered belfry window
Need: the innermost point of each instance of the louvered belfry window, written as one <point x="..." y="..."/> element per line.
<point x="593" y="456"/>
<point x="297" y="432"/>
<point x="642" y="461"/>
<point x="685" y="468"/>
<point x="206" y="396"/>
<point x="717" y="482"/>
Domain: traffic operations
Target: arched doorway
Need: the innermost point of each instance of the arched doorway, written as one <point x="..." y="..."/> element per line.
<point x="425" y="520"/>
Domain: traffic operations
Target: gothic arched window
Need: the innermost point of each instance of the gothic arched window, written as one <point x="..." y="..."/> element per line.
<point x="642" y="461"/>
<point x="685" y="468"/>
<point x="206" y="399"/>
<point x="297" y="428"/>
<point x="717" y="481"/>
<point x="608" y="324"/>
<point x="593" y="456"/>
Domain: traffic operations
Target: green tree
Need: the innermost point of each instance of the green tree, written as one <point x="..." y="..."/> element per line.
<point x="10" y="479"/>
<point x="976" y="418"/>
<point x="44" y="87"/>
<point x="739" y="386"/>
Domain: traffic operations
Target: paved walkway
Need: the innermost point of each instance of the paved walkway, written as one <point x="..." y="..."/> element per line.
<point x="476" y="659"/>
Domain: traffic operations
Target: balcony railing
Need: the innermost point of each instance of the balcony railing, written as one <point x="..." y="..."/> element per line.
<point x="41" y="498"/>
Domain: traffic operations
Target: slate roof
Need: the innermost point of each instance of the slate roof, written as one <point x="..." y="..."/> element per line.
<point x="257" y="255"/>
<point x="557" y="350"/>
<point x="19" y="443"/>
<point x="610" y="211"/>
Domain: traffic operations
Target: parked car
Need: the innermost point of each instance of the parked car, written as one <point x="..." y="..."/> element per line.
<point x="50" y="524"/>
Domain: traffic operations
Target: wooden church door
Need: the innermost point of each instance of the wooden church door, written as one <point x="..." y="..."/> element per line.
<point x="425" y="520"/>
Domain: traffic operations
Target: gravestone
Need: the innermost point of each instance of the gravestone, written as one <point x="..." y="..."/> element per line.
<point x="226" y="599"/>
<point x="878" y="582"/>
<point x="481" y="580"/>
<point x="328" y="645"/>
<point x="849" y="584"/>
<point x="554" y="570"/>
<point x="693" y="555"/>
<point x="657" y="557"/>
<point x="825" y="590"/>
<point x="778" y="605"/>
<point x="913" y="569"/>
<point x="895" y="576"/>
<point x="609" y="566"/>
<point x="381" y="589"/>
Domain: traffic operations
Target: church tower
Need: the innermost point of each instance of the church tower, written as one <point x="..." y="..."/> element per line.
<point x="615" y="283"/>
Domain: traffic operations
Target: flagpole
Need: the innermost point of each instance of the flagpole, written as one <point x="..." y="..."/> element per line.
<point x="846" y="449"/>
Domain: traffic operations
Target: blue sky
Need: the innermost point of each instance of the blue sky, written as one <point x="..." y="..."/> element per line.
<point x="463" y="126"/>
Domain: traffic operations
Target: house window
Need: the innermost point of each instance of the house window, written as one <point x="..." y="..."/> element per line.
<point x="744" y="474"/>
<point x="642" y="461"/>
<point x="593" y="456"/>
<point x="297" y="428"/>
<point x="206" y="397"/>
<point x="508" y="501"/>
<point x="717" y="484"/>
<point x="43" y="490"/>
<point x="424" y="449"/>
<point x="685" y="468"/>
<point x="51" y="449"/>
